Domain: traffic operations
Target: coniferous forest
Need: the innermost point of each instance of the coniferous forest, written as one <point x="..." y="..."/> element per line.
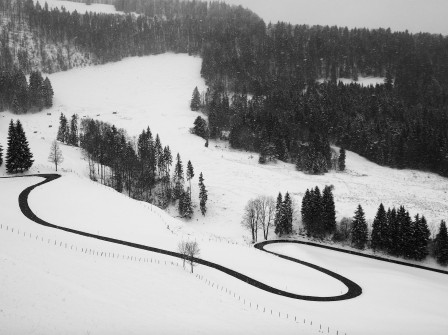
<point x="262" y="77"/>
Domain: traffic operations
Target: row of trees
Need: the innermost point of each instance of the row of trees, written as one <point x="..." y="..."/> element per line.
<point x="19" y="96"/>
<point x="18" y="155"/>
<point x="264" y="213"/>
<point x="318" y="212"/>
<point x="68" y="133"/>
<point x="142" y="168"/>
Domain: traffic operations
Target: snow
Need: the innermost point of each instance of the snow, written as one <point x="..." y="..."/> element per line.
<point x="363" y="81"/>
<point x="75" y="288"/>
<point x="81" y="8"/>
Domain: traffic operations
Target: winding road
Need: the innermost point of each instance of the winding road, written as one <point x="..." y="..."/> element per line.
<point x="353" y="289"/>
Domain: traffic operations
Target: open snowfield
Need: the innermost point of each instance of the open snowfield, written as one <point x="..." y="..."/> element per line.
<point x="155" y="91"/>
<point x="81" y="8"/>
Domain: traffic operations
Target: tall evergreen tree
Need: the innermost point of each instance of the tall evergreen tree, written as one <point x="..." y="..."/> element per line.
<point x="25" y="157"/>
<point x="405" y="237"/>
<point x="379" y="229"/>
<point x="284" y="226"/>
<point x="394" y="232"/>
<point x="359" y="229"/>
<point x="63" y="131"/>
<point x="178" y="178"/>
<point x="11" y="158"/>
<point x="305" y="211"/>
<point x="420" y="238"/>
<point x="328" y="211"/>
<point x="203" y="197"/>
<point x="441" y="245"/>
<point x="74" y="135"/>
<point x="195" y="100"/>
<point x="341" y="159"/>
<point x="278" y="209"/>
<point x="47" y="92"/>
<point x="190" y="175"/>
<point x="1" y="155"/>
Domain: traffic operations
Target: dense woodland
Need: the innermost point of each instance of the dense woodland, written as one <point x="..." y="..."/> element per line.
<point x="262" y="77"/>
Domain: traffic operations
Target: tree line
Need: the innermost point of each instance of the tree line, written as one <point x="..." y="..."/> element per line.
<point x="142" y="168"/>
<point x="278" y="64"/>
<point x="393" y="231"/>
<point x="19" y="96"/>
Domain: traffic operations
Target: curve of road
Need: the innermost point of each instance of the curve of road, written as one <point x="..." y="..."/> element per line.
<point x="353" y="289"/>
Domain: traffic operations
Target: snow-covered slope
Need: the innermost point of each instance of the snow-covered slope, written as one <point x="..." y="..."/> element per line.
<point x="155" y="91"/>
<point x="71" y="6"/>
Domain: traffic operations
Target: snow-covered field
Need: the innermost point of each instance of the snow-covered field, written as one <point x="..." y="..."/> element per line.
<point x="155" y="91"/>
<point x="81" y="8"/>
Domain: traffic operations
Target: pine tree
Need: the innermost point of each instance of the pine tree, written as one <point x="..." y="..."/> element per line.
<point x="35" y="90"/>
<point x="359" y="229"/>
<point x="200" y="127"/>
<point x="328" y="211"/>
<point x="47" y="93"/>
<point x="405" y="237"/>
<point x="178" y="179"/>
<point x="394" y="232"/>
<point x="316" y="223"/>
<point x="74" y="136"/>
<point x="63" y="131"/>
<point x="25" y="157"/>
<point x="185" y="208"/>
<point x="420" y="238"/>
<point x="1" y="155"/>
<point x="190" y="175"/>
<point x="341" y="159"/>
<point x="278" y="210"/>
<point x="11" y="151"/>
<point x="305" y="211"/>
<point x="378" y="229"/>
<point x="441" y="245"/>
<point x="195" y="100"/>
<point x="284" y="225"/>
<point x="203" y="197"/>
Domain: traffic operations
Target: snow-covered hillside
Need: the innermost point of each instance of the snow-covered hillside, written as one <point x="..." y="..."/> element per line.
<point x="129" y="295"/>
<point x="81" y="8"/>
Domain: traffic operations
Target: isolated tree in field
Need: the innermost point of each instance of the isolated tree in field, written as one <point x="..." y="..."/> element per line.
<point x="203" y="196"/>
<point x="190" y="175"/>
<point x="63" y="131"/>
<point x="251" y="220"/>
<point x="341" y="159"/>
<point x="55" y="156"/>
<point x="195" y="100"/>
<point x="359" y="229"/>
<point x="441" y="245"/>
<point x="193" y="251"/>
<point x="18" y="155"/>
<point x="379" y="229"/>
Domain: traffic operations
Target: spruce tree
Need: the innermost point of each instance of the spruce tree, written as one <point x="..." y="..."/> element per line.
<point x="405" y="235"/>
<point x="278" y="210"/>
<point x="284" y="225"/>
<point x="378" y="229"/>
<point x="328" y="211"/>
<point x="190" y="175"/>
<point x="25" y="157"/>
<point x="341" y="159"/>
<point x="202" y="195"/>
<point x="420" y="238"/>
<point x="359" y="229"/>
<point x="47" y="92"/>
<point x="394" y="233"/>
<point x="178" y="178"/>
<point x="63" y="131"/>
<point x="441" y="245"/>
<point x="316" y="223"/>
<point x="1" y="155"/>
<point x="74" y="136"/>
<point x="12" y="149"/>
<point x="305" y="211"/>
<point x="195" y="100"/>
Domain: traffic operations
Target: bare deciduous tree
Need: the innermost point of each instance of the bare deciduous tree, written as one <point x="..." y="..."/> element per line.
<point x="251" y="218"/>
<point x="189" y="251"/>
<point x="266" y="207"/>
<point x="55" y="156"/>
